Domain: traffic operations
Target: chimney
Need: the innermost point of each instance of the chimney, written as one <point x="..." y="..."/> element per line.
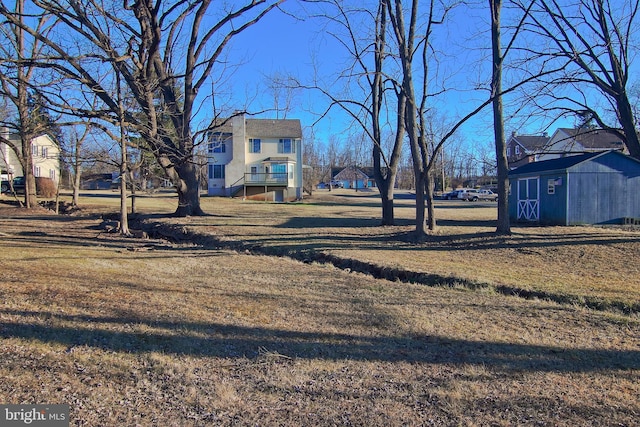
<point x="238" y="123"/>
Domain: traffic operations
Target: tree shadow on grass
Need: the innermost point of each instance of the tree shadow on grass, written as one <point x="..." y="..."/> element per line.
<point x="233" y="341"/>
<point x="336" y="222"/>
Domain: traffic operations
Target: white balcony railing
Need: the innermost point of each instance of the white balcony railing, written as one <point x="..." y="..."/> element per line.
<point x="266" y="178"/>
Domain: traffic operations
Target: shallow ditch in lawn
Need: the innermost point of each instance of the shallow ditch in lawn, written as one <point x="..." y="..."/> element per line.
<point x="176" y="233"/>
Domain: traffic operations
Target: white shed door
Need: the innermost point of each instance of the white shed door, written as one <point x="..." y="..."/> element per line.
<point x="529" y="199"/>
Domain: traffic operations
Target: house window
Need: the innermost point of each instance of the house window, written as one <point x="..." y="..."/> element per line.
<point x="216" y="171"/>
<point x="279" y="171"/>
<point x="508" y="151"/>
<point x="217" y="147"/>
<point x="517" y="150"/>
<point x="36" y="171"/>
<point x="217" y="142"/>
<point x="255" y="145"/>
<point x="45" y="152"/>
<point x="286" y="145"/>
<point x="34" y="150"/>
<point x="52" y="174"/>
<point x="254" y="170"/>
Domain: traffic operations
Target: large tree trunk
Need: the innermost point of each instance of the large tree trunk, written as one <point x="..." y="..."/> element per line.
<point x="26" y="135"/>
<point x="386" y="195"/>
<point x="124" y="216"/>
<point x="431" y="213"/>
<point x="188" y="188"/>
<point x="386" y="183"/>
<point x="30" y="196"/>
<point x="421" y="229"/>
<point x="385" y="186"/>
<point x="625" y="113"/>
<point x="503" y="226"/>
<point x="388" y="216"/>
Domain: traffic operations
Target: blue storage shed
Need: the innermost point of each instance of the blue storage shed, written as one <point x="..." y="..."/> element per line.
<point x="592" y="188"/>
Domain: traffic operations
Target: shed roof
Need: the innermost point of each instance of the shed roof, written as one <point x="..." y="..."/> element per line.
<point x="555" y="164"/>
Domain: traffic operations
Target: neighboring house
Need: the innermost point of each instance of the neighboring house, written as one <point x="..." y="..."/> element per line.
<point x="354" y="177"/>
<point x="98" y="181"/>
<point x="523" y="149"/>
<point x="256" y="157"/>
<point x="579" y="141"/>
<point x="46" y="157"/>
<point x="591" y="188"/>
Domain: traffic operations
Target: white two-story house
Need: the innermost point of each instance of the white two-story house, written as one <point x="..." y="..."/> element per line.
<point x="256" y="158"/>
<point x="45" y="154"/>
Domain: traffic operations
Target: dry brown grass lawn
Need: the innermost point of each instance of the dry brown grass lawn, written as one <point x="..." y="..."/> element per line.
<point x="573" y="263"/>
<point x="132" y="332"/>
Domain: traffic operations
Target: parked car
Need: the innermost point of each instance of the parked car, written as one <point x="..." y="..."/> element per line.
<point x="337" y="184"/>
<point x="18" y="185"/>
<point x="468" y="194"/>
<point x="487" y="195"/>
<point x="451" y="195"/>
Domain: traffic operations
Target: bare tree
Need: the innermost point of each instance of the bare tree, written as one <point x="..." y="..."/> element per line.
<point x="74" y="158"/>
<point x="165" y="52"/>
<point x="593" y="42"/>
<point x="413" y="39"/>
<point x="366" y="93"/>
<point x="415" y="50"/>
<point x="283" y="93"/>
<point x="19" y="85"/>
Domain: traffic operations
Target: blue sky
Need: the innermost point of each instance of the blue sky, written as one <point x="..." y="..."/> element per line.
<point x="282" y="44"/>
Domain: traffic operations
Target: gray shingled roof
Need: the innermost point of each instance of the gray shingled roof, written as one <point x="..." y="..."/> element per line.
<point x="595" y="138"/>
<point x="532" y="142"/>
<point x="553" y="164"/>
<point x="267" y="128"/>
<point x="272" y="128"/>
